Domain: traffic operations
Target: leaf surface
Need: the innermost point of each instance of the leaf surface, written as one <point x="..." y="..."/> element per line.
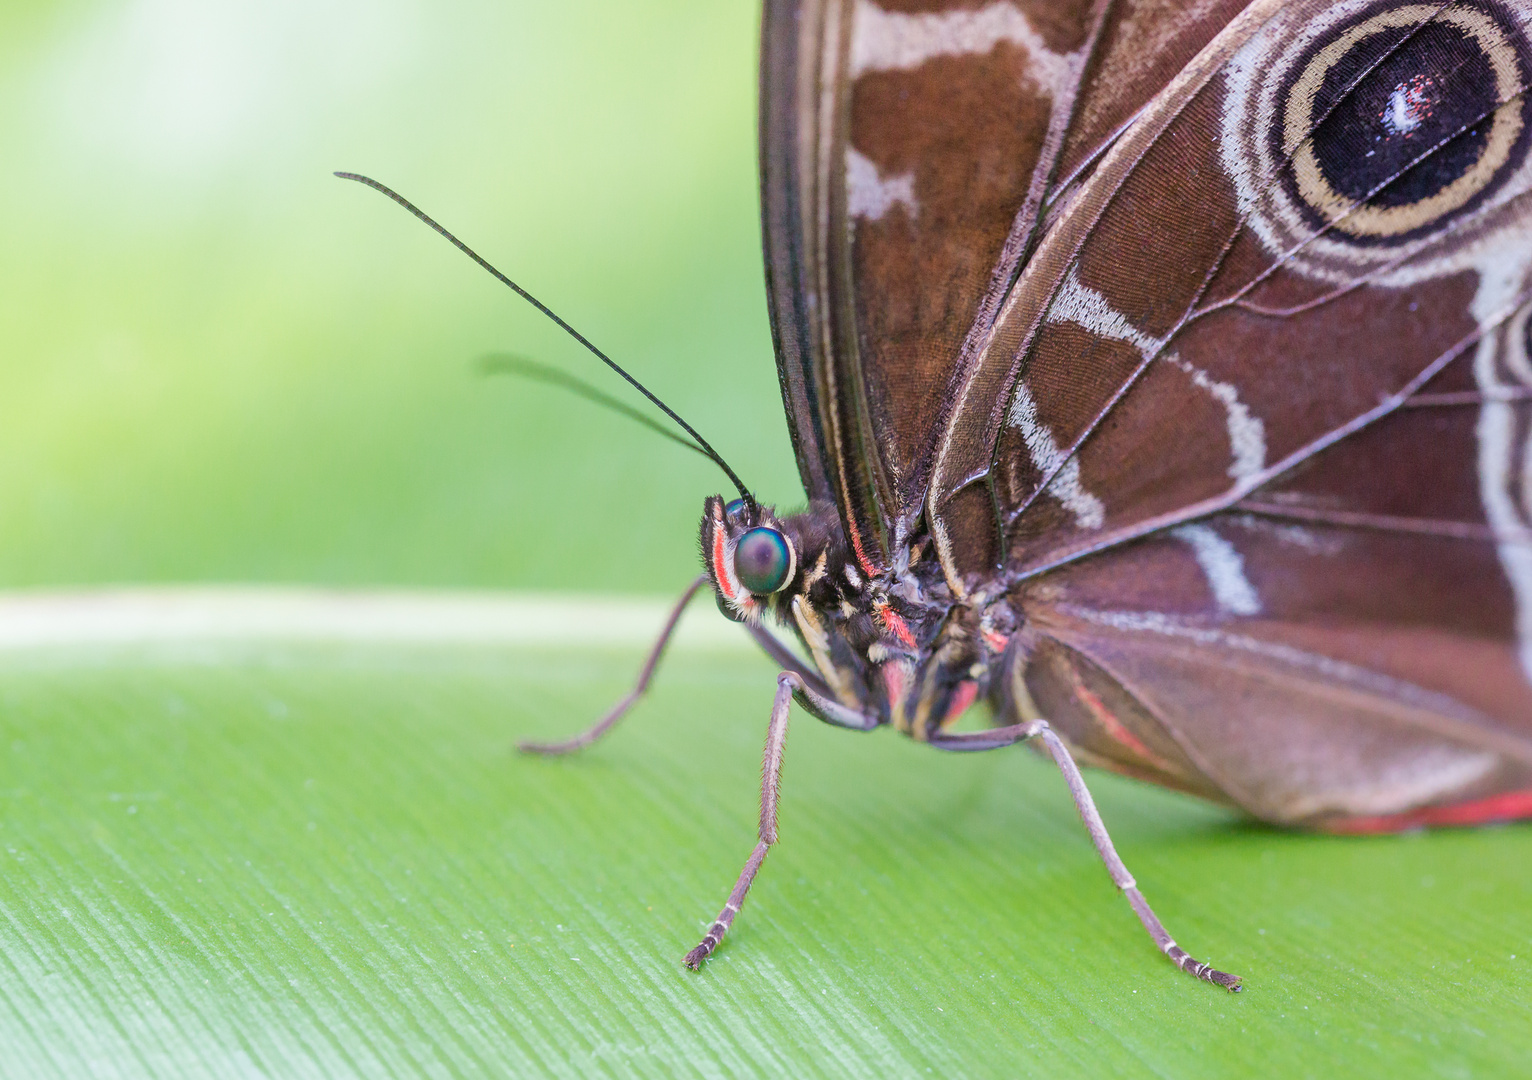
<point x="328" y="860"/>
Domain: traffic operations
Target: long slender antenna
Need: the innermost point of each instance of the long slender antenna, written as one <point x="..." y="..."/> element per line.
<point x="703" y="444"/>
<point x="511" y="364"/>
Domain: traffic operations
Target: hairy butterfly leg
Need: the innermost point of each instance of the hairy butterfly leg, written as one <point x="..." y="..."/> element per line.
<point x="609" y="721"/>
<point x="790" y="684"/>
<point x="1039" y="729"/>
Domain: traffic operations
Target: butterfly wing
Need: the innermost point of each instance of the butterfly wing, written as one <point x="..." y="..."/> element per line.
<point x="1359" y="675"/>
<point x="904" y="156"/>
<point x="1271" y="353"/>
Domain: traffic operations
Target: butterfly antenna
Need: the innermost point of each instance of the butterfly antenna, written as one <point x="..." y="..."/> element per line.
<point x="702" y="444"/>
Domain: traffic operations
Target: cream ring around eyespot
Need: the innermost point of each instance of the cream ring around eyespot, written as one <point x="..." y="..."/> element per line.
<point x="1359" y="219"/>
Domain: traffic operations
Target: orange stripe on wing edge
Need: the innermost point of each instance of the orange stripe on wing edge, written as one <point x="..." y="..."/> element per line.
<point x="1508" y="806"/>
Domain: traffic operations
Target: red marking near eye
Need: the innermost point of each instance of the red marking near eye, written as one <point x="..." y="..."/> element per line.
<point x="720" y="568"/>
<point x="1111" y="725"/>
<point x="1506" y="807"/>
<point x="894" y="624"/>
<point x="996" y="642"/>
<point x="961" y="698"/>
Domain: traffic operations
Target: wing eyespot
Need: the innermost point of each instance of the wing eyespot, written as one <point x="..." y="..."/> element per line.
<point x="1403" y="117"/>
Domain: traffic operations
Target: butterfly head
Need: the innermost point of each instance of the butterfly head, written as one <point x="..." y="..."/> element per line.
<point x="751" y="555"/>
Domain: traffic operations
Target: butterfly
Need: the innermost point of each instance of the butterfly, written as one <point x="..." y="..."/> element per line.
<point x="1159" y="374"/>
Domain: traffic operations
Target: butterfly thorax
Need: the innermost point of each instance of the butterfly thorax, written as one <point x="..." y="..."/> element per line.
<point x="893" y="642"/>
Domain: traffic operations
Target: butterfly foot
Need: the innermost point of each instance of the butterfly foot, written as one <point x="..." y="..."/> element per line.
<point x="1205" y="972"/>
<point x="695" y="958"/>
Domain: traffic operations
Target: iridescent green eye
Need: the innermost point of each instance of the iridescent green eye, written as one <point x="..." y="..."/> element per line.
<point x="763" y="560"/>
<point x="734" y="508"/>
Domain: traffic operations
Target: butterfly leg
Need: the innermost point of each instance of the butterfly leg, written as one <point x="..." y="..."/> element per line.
<point x="814" y="688"/>
<point x="788" y="683"/>
<point x="609" y="721"/>
<point x="1039" y="729"/>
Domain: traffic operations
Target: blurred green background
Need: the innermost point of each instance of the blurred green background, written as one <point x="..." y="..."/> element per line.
<point x="218" y="364"/>
<point x="221" y="363"/>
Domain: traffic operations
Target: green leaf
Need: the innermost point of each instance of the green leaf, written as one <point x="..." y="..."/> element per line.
<point x="329" y="860"/>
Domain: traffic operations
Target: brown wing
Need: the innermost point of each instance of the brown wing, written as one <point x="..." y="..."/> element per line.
<point x="1254" y="423"/>
<point x="1311" y="674"/>
<point x="906" y="147"/>
<point x="1322" y="216"/>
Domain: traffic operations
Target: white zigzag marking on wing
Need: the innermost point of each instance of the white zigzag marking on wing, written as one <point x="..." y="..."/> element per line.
<point x="891" y="41"/>
<point x="1247" y="435"/>
<point x="1503" y="274"/>
<point x="1088" y="510"/>
<point x="869" y="195"/>
<point x="1078" y="303"/>
<point x="1084" y="306"/>
<point x="1224" y="568"/>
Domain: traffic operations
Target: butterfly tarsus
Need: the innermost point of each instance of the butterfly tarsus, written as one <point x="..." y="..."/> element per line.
<point x="1086" y="805"/>
<point x="1178" y="956"/>
<point x="788" y="683"/>
<point x="771" y="783"/>
<point x="618" y="711"/>
<point x="715" y="933"/>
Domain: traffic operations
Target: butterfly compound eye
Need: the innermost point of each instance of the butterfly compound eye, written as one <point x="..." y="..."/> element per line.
<point x="763" y="560"/>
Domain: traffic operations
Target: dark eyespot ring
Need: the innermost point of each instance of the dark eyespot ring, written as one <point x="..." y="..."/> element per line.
<point x="763" y="560"/>
<point x="1411" y="113"/>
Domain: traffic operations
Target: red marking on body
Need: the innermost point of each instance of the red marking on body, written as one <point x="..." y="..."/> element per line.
<point x="962" y="698"/>
<point x="856" y="546"/>
<point x="1508" y="806"/>
<point x="996" y="642"/>
<point x="895" y="680"/>
<point x="1111" y="725"/>
<point x="894" y="624"/>
<point x="720" y="569"/>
